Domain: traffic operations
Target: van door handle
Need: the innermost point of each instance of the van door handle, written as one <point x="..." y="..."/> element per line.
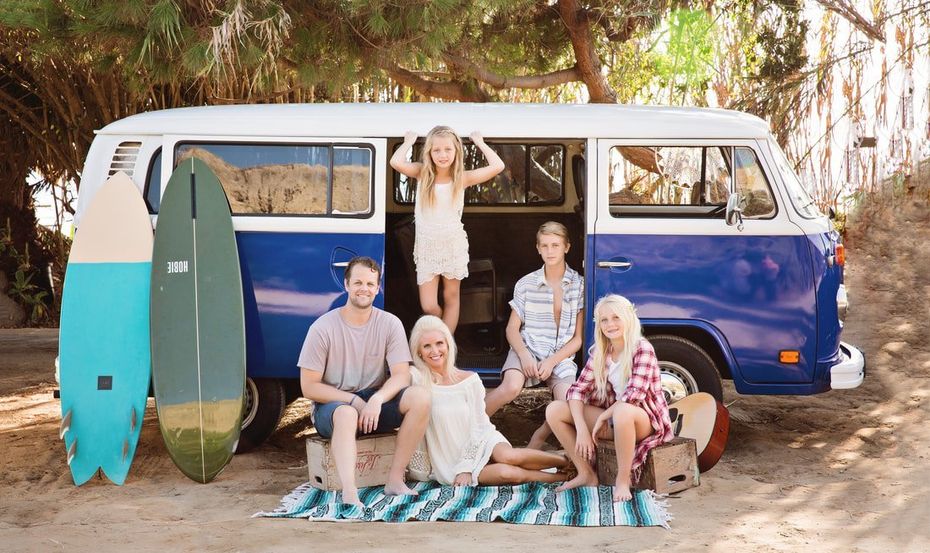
<point x="341" y="264"/>
<point x="614" y="264"/>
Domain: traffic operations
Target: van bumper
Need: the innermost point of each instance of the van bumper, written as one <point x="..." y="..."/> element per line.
<point x="850" y="371"/>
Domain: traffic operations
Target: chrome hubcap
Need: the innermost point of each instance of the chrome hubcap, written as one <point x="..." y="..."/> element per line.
<point x="676" y="381"/>
<point x="250" y="405"/>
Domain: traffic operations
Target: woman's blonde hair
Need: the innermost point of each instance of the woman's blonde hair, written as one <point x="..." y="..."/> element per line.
<point x="428" y="174"/>
<point x="429" y="323"/>
<point x="632" y="334"/>
<point x="554" y="228"/>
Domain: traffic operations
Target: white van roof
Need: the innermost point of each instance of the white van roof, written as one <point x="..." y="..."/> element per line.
<point x="492" y="119"/>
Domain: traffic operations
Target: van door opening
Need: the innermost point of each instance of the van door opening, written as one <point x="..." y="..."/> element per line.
<point x="501" y="218"/>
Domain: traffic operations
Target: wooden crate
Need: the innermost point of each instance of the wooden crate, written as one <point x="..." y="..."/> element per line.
<point x="375" y="455"/>
<point x="669" y="468"/>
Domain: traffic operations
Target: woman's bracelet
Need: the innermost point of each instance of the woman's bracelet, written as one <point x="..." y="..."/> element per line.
<point x="352" y="401"/>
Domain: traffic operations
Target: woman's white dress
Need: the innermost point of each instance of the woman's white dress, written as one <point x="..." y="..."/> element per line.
<point x="441" y="246"/>
<point x="460" y="437"/>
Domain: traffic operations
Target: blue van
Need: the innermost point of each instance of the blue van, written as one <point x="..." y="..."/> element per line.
<point x="694" y="214"/>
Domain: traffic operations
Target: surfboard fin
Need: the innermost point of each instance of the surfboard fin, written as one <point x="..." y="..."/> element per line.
<point x="125" y="448"/>
<point x="72" y="451"/>
<point x="65" y="425"/>
<point x="132" y="420"/>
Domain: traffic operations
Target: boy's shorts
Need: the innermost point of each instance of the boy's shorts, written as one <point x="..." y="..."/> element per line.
<point x="563" y="373"/>
<point x="389" y="419"/>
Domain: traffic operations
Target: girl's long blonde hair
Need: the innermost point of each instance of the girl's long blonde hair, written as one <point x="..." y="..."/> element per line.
<point x="428" y="174"/>
<point x="632" y="334"/>
<point x="428" y="323"/>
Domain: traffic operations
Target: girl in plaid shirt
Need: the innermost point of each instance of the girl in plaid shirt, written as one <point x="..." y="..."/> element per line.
<point x="621" y="360"/>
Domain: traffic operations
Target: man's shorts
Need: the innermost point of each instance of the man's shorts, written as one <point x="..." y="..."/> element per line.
<point x="566" y="375"/>
<point x="389" y="419"/>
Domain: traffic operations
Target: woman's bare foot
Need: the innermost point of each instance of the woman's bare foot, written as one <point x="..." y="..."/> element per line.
<point x="398" y="488"/>
<point x="622" y="490"/>
<point x="580" y="481"/>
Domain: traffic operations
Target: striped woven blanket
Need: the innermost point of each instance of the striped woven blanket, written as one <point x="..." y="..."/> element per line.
<point x="532" y="503"/>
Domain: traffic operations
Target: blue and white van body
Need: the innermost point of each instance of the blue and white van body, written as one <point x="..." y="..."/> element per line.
<point x="750" y="296"/>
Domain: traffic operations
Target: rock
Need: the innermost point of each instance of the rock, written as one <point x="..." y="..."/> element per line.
<point x="11" y="314"/>
<point x="894" y="347"/>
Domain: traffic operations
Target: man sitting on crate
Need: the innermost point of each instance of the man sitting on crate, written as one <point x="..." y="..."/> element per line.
<point x="343" y="372"/>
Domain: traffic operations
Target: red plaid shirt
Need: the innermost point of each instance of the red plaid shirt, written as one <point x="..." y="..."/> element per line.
<point x="643" y="389"/>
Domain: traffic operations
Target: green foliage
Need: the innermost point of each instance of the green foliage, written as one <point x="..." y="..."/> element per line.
<point x="781" y="44"/>
<point x="686" y="65"/>
<point x="22" y="289"/>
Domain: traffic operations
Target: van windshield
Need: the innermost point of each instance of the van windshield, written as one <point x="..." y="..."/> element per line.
<point x="803" y="203"/>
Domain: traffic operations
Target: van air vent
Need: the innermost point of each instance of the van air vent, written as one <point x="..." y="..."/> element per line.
<point x="124" y="159"/>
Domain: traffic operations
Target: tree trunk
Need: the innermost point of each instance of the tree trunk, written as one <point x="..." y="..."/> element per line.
<point x="587" y="61"/>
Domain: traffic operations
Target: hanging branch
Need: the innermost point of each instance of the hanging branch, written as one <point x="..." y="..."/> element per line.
<point x="448" y="90"/>
<point x="848" y="12"/>
<point x="507" y="81"/>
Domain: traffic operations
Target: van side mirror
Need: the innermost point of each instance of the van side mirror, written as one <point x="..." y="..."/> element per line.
<point x="832" y="214"/>
<point x="734" y="214"/>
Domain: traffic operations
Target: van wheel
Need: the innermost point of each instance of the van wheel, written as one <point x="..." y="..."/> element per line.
<point x="262" y="408"/>
<point x="686" y="368"/>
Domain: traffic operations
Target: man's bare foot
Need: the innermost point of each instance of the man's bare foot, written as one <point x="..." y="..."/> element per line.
<point x="580" y="481"/>
<point x="398" y="488"/>
<point x="351" y="497"/>
<point x="622" y="491"/>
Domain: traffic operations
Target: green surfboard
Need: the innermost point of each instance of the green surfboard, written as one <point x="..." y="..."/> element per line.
<point x="197" y="323"/>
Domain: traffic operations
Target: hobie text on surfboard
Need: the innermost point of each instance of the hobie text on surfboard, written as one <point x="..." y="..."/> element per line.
<point x="177" y="266"/>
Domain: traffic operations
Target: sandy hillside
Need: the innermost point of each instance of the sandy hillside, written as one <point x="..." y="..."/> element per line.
<point x="842" y="471"/>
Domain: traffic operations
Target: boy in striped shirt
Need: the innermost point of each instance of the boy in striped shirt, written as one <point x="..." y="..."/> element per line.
<point x="544" y="330"/>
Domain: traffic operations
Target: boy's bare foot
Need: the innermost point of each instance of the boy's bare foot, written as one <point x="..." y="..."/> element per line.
<point x="622" y="491"/>
<point x="398" y="488"/>
<point x="535" y="443"/>
<point x="580" y="481"/>
<point x="568" y="469"/>
<point x="351" y="497"/>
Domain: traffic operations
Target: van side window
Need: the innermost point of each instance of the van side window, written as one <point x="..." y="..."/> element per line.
<point x="152" y="192"/>
<point x="533" y="174"/>
<point x="290" y="179"/>
<point x="754" y="191"/>
<point x="683" y="181"/>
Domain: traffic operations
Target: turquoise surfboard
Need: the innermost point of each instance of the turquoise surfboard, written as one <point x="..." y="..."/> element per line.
<point x="198" y="324"/>
<point x="104" y="350"/>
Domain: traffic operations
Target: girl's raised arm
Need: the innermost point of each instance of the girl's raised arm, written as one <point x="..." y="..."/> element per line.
<point x="492" y="169"/>
<point x="399" y="160"/>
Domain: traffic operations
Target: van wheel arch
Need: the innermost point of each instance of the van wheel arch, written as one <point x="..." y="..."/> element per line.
<point x="686" y="367"/>
<point x="263" y="408"/>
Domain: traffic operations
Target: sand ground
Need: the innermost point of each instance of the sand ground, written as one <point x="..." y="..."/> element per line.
<point x="842" y="471"/>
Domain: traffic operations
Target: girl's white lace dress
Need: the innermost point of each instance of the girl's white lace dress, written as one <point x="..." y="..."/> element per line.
<point x="441" y="246"/>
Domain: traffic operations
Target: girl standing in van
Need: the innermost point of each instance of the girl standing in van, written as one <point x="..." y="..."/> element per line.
<point x="441" y="248"/>
<point x="620" y="387"/>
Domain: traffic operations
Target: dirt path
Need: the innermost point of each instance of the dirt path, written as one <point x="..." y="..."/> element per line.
<point x="842" y="471"/>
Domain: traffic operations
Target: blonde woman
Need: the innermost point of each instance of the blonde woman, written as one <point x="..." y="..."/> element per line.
<point x="621" y="387"/>
<point x="441" y="247"/>
<point x="463" y="447"/>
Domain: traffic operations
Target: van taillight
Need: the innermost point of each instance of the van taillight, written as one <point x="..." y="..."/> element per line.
<point x="840" y="255"/>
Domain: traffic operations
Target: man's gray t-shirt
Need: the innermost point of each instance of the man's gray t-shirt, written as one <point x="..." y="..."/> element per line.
<point x="352" y="358"/>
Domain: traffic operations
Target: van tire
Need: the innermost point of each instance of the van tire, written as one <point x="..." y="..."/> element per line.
<point x="263" y="407"/>
<point x="686" y="366"/>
